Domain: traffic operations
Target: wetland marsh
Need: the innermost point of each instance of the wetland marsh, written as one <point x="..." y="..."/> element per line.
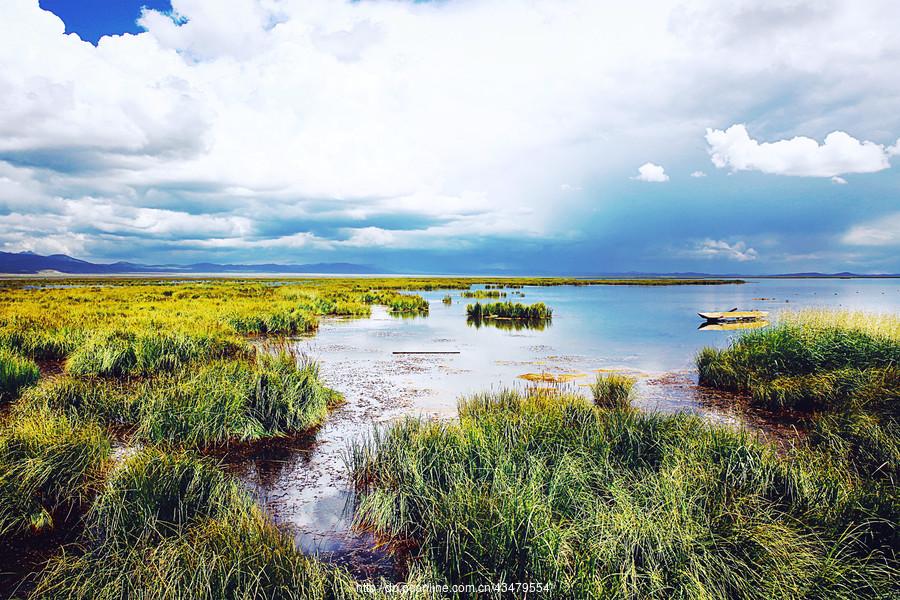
<point x="300" y="389"/>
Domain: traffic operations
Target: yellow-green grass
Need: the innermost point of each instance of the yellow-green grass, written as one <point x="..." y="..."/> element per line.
<point x="210" y="404"/>
<point x="812" y="360"/>
<point x="620" y="504"/>
<point x="48" y="463"/>
<point x="173" y="526"/>
<point x="16" y="373"/>
<point x="509" y="310"/>
<point x="613" y="390"/>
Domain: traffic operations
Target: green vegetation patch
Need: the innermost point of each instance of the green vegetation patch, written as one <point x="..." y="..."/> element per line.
<point x="16" y="373"/>
<point x="509" y="310"/>
<point x="47" y="462"/>
<point x="613" y="390"/>
<point x="619" y="504"/>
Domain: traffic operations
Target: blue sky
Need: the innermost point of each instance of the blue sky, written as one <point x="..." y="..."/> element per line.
<point x="468" y="136"/>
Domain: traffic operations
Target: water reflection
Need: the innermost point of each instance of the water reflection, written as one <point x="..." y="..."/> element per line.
<point x="509" y="324"/>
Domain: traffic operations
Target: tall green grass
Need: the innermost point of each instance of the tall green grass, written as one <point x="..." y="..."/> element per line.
<point x="128" y="353"/>
<point x="175" y="526"/>
<point x="214" y="403"/>
<point x="509" y="310"/>
<point x="16" y="373"/>
<point x="47" y="462"/>
<point x="619" y="504"/>
<point x="613" y="390"/>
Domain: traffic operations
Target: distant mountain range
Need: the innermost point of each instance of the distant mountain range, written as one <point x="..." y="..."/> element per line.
<point x="28" y="263"/>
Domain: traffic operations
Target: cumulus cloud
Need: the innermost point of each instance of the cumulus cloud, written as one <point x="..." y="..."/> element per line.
<point x="698" y="174"/>
<point x="272" y="125"/>
<point x="801" y="156"/>
<point x="879" y="232"/>
<point x="651" y="173"/>
<point x="710" y="248"/>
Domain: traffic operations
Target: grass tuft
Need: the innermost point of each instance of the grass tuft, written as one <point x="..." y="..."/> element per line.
<point x="613" y="390"/>
<point x="16" y="373"/>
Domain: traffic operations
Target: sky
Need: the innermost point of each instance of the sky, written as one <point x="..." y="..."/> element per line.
<point x="456" y="136"/>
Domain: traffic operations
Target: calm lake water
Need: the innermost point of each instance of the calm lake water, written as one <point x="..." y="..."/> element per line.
<point x="651" y="332"/>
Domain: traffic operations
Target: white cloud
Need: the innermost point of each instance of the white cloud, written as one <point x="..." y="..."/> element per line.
<point x="800" y="156"/>
<point x="651" y="173"/>
<point x="879" y="232"/>
<point x="244" y="112"/>
<point x="697" y="174"/>
<point x="721" y="249"/>
<point x="838" y="180"/>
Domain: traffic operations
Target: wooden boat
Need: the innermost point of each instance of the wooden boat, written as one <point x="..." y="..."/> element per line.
<point x="731" y="325"/>
<point x="735" y="315"/>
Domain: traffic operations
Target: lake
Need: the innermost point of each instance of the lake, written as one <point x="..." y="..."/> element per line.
<point x="650" y="332"/>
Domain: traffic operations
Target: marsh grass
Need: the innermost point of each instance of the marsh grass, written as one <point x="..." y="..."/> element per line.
<point x="16" y="373"/>
<point x="509" y="310"/>
<point x="173" y="526"/>
<point x="47" y="461"/>
<point x="215" y="403"/>
<point x="619" y="504"/>
<point x="126" y="353"/>
<point x="613" y="390"/>
<point x="814" y="360"/>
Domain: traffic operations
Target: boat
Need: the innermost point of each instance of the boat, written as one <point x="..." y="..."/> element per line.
<point x="731" y="325"/>
<point x="735" y="315"/>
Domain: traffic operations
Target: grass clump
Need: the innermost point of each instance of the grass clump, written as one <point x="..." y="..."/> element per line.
<point x="16" y="373"/>
<point x="509" y="310"/>
<point x="47" y="462"/>
<point x="619" y="504"/>
<point x="234" y="400"/>
<point x="486" y="293"/>
<point x="279" y="322"/>
<point x="809" y="361"/>
<point x="129" y="353"/>
<point x="613" y="390"/>
<point x="175" y="526"/>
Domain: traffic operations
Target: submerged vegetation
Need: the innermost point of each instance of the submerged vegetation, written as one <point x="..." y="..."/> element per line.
<point x="610" y="503"/>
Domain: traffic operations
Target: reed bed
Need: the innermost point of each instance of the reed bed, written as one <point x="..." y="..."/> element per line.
<point x="486" y="293"/>
<point x="619" y="504"/>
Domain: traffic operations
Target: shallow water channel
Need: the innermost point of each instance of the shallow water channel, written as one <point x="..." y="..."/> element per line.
<point x="650" y="332"/>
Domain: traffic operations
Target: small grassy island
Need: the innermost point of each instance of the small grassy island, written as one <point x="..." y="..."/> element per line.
<point x="509" y="310"/>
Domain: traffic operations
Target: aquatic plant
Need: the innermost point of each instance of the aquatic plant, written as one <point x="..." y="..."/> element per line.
<point x="486" y="293"/>
<point x="509" y="310"/>
<point x="608" y="503"/>
<point x="815" y="364"/>
<point x="232" y="400"/>
<point x="175" y="526"/>
<point x="47" y="462"/>
<point x="613" y="390"/>
<point x="448" y="299"/>
<point x="120" y="353"/>
<point x="16" y="373"/>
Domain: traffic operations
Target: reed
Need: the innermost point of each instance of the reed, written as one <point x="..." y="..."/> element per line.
<point x="609" y="503"/>
<point x="16" y="373"/>
<point x="613" y="390"/>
